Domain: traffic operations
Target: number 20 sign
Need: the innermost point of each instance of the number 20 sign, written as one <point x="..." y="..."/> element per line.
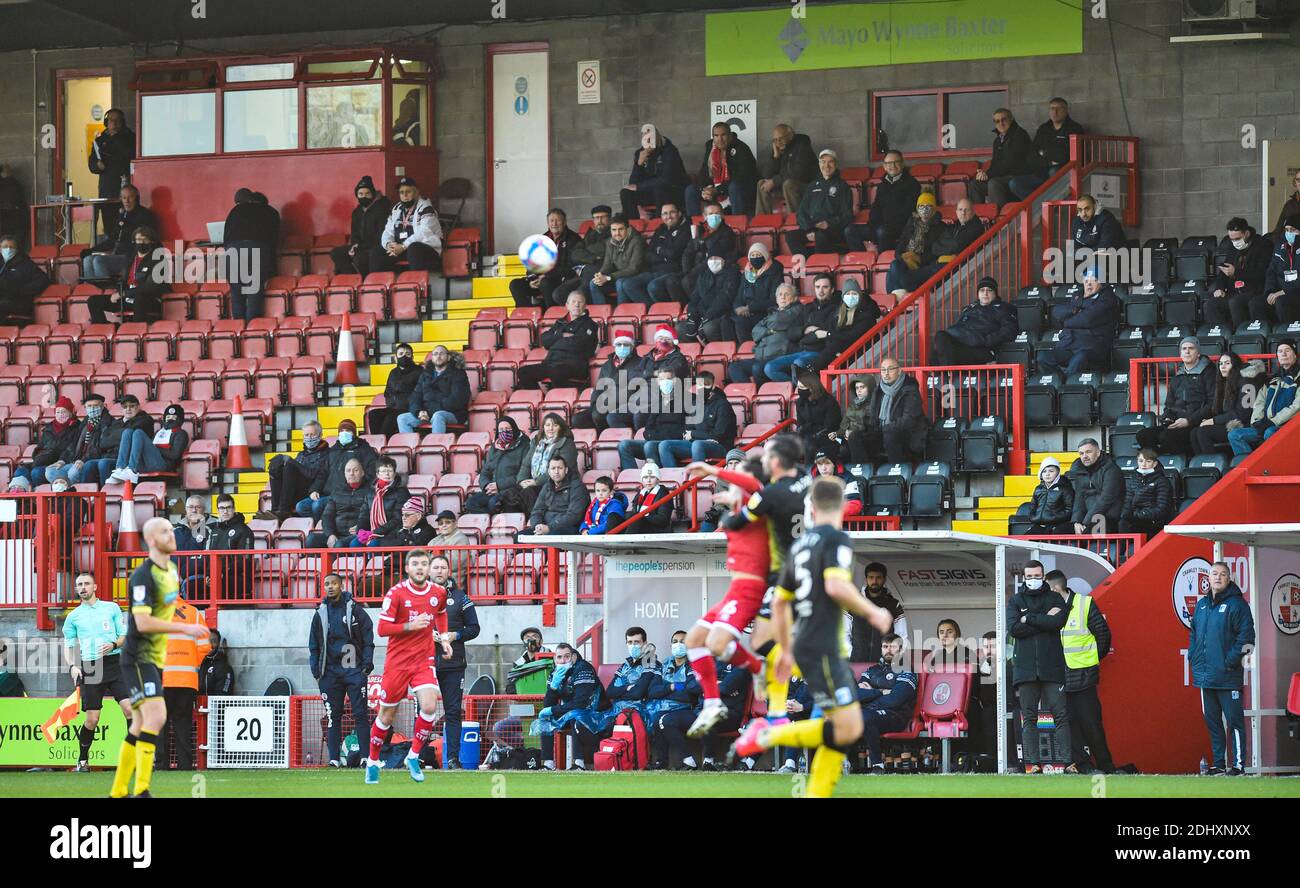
<point x="248" y="729"/>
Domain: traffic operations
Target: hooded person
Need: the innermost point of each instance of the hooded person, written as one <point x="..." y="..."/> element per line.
<point x="1052" y="505"/>
<point x="369" y="217"/>
<point x="658" y="174"/>
<point x="984" y="326"/>
<point x="55" y="437"/>
<point x="252" y="233"/>
<point x="159" y="452"/>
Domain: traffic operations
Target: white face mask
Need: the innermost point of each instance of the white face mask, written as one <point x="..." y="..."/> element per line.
<point x="1142" y="471"/>
<point x="1033" y="584"/>
<point x="1241" y="244"/>
<point x="716" y="263"/>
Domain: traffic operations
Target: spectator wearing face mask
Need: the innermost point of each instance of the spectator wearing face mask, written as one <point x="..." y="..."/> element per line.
<point x="77" y="461"/>
<point x="441" y="394"/>
<point x="574" y="703"/>
<point x="665" y="421"/>
<point x="714" y="234"/>
<point x="1239" y="278"/>
<point x="630" y="686"/>
<point x="342" y="517"/>
<point x="1148" y="497"/>
<point x="817" y="413"/>
<point x="756" y="296"/>
<point x="499" y="473"/>
<point x="665" y="354"/>
<point x="671" y="705"/>
<point x="55" y="438"/>
<point x="886" y="693"/>
<point x="133" y="419"/>
<point x="381" y="507"/>
<point x="412" y="232"/>
<point x="711" y="435"/>
<point x="659" y="519"/>
<point x="292" y="478"/>
<point x="1053" y="501"/>
<point x="607" y="510"/>
<point x="1036" y="616"/>
<point x="713" y="299"/>
<point x="348" y="446"/>
<point x="1282" y="279"/>
<point x="855" y="316"/>
<point x="21" y="281"/>
<point x="398" y="389"/>
<point x="162" y="452"/>
<point x="615" y="377"/>
<point x="369" y="217"/>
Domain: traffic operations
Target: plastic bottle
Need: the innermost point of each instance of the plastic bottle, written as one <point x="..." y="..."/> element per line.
<point x="1205" y="766"/>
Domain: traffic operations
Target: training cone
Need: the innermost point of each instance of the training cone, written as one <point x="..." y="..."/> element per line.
<point x="345" y="364"/>
<point x="128" y="535"/>
<point x="237" y="456"/>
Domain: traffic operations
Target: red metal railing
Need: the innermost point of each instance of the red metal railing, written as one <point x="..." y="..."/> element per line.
<point x="1114" y="547"/>
<point x="591" y="644"/>
<point x="1090" y="154"/>
<point x="691" y="485"/>
<point x="503" y="574"/>
<point x="967" y="392"/>
<point x="873" y="522"/>
<point x="45" y="540"/>
<point x="1056" y="228"/>
<point x="1148" y="379"/>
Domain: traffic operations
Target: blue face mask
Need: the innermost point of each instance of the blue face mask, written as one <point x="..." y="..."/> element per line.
<point x="634" y="651"/>
<point x="622" y="351"/>
<point x="713" y="219"/>
<point x="7" y="253"/>
<point x="1290" y="238"/>
<point x="851" y="300"/>
<point x="557" y="677"/>
<point x="666" y="386"/>
<point x="679" y="650"/>
<point x="94" y="413"/>
<point x="345" y="438"/>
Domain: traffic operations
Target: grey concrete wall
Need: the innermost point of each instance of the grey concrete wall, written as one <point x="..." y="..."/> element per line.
<point x="1186" y="103"/>
<point x="35" y="656"/>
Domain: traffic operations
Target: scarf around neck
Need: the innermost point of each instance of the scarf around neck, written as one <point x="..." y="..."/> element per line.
<point x="888" y="393"/>
<point x="378" y="517"/>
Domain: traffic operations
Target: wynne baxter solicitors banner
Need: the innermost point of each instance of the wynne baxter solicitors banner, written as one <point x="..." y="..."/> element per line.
<point x="857" y="35"/>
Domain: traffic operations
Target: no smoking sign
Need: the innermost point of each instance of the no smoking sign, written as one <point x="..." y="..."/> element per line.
<point x="589" y="82"/>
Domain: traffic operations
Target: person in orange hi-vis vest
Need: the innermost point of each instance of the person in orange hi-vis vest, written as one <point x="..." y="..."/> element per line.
<point x="181" y="687"/>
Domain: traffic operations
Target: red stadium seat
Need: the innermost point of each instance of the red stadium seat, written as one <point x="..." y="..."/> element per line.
<point x="237" y="378"/>
<point x="128" y="341"/>
<point x="192" y="341"/>
<point x="407" y="296"/>
<point x="256" y="340"/>
<point x="433" y="455"/>
<point x="139" y="380"/>
<point x="306" y="296"/>
<point x="160" y="340"/>
<point x="199" y="464"/>
<point x="212" y="301"/>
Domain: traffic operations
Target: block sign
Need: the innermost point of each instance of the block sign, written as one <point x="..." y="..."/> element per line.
<point x="742" y="114"/>
<point x="248" y="729"/>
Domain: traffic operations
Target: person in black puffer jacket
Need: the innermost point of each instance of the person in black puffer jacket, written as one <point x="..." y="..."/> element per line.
<point x="369" y="218"/>
<point x="342" y="517"/>
<point x="1053" y="501"/>
<point x="139" y="295"/>
<point x="714" y="298"/>
<point x="658" y="174"/>
<point x="817" y="414"/>
<point x="664" y="250"/>
<point x="1098" y="490"/>
<point x="398" y="388"/>
<point x="292" y="477"/>
<point x="346" y="447"/>
<point x="253" y="228"/>
<point x="1035" y="617"/>
<point x="1239" y="278"/>
<point x="1013" y="155"/>
<point x="441" y="394"/>
<point x="1188" y="402"/>
<point x="538" y="288"/>
<point x="895" y="198"/>
<point x="56" y="437"/>
<point x="756" y="297"/>
<point x="1096" y="229"/>
<point x="230" y="533"/>
<point x="1232" y="406"/>
<point x="984" y="326"/>
<point x="1148" y="497"/>
<point x="21" y="281"/>
<point x="500" y="471"/>
<point x="560" y="505"/>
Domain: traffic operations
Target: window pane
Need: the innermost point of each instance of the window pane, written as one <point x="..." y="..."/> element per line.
<point x="180" y="123"/>
<point x="344" y="116"/>
<point x="971" y="113"/>
<point x="164" y="76"/>
<point x="408" y="115"/>
<point x="253" y="73"/>
<point x="359" y="66"/>
<point x="413" y="67"/>
<point x="261" y="120"/>
<point x="908" y="123"/>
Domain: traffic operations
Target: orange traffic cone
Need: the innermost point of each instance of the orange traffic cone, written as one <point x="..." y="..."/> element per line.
<point x="345" y="364"/>
<point x="128" y="534"/>
<point x="237" y="456"/>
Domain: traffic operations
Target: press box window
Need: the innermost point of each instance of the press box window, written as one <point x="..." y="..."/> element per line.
<point x="345" y="116"/>
<point x="261" y="120"/>
<point x="915" y="122"/>
<point x="178" y="123"/>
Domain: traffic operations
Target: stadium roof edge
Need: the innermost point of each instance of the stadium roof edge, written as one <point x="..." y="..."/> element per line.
<point x="1273" y="536"/>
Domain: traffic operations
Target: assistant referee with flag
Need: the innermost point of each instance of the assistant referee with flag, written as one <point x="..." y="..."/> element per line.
<point x="93" y="635"/>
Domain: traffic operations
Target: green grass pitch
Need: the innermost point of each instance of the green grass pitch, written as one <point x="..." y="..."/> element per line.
<point x="515" y="784"/>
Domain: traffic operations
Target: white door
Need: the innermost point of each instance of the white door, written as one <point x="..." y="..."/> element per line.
<point x="520" y="162"/>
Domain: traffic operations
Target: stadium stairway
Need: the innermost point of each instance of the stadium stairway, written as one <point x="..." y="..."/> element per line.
<point x="991" y="513"/>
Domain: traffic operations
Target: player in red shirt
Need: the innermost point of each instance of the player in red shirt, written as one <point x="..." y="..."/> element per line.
<point x="410" y="608"/>
<point x="718" y="632"/>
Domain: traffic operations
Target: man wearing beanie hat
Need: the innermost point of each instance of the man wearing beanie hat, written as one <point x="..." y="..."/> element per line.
<point x="1189" y="400"/>
<point x="369" y="218"/>
<point x="57" y="436"/>
<point x="412" y="233"/>
<point x="985" y="325"/>
<point x="895" y="198"/>
<point x="664" y="252"/>
<point x="414" y="532"/>
<point x="253" y="229"/>
<point x="588" y="255"/>
<point x="709" y="311"/>
<point x="916" y="246"/>
<point x="537" y="289"/>
<point x="825" y="211"/>
<point x="1282" y="280"/>
<point x="608" y="396"/>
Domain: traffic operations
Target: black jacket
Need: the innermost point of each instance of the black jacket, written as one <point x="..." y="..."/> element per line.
<point x="907" y="412"/>
<point x="564" y="505"/>
<point x="314" y="463"/>
<point x="579" y="689"/>
<point x="897" y="680"/>
<point x="1052" y="145"/>
<point x="826" y="200"/>
<point x="821" y="315"/>
<point x="929" y="241"/>
<point x="1089" y="323"/>
<point x="759" y="295"/>
<point x="614" y="377"/>
<point x="111" y="438"/>
<point x="117" y="238"/>
<point x="216" y="678"/>
<point x="400" y="386"/>
<point x="448" y="390"/>
<point x="718" y="422"/>
<point x="350" y="635"/>
<point x="52" y="444"/>
<point x="1190" y="396"/>
<point x="724" y="238"/>
<point x="230" y="535"/>
<point x="1098" y="490"/>
<point x="564" y="246"/>
<point x="418" y="536"/>
<point x="674" y="361"/>
<point x="667" y="246"/>
<point x="461" y="619"/>
<point x="656" y="521"/>
<point x="21" y="281"/>
<point x="345" y="508"/>
<point x="254" y="223"/>
<point x="1101" y="232"/>
<point x="848" y="330"/>
<point x="816" y="417"/>
<point x="111" y="160"/>
<point x="394" y="498"/>
<point x="742" y="169"/>
<point x="986" y="326"/>
<point x="864" y="639"/>
<point x="894" y="204"/>
<point x="141" y="294"/>
<point x="1088" y="677"/>
<point x="87" y="443"/>
<point x="1039" y="654"/>
<point x="957" y="236"/>
<point x="1291" y="206"/>
<point x="591" y="248"/>
<point x="571" y="340"/>
<point x="1013" y="154"/>
<point x="663" y="170"/>
<point x="714" y="294"/>
<point x="798" y="161"/>
<point x="1286" y="258"/>
<point x="1249" y="266"/>
<point x="501" y="467"/>
<point x="332" y="479"/>
<point x="1229" y="403"/>
<point x="175" y="448"/>
<point x="1054" y="506"/>
<point x="663" y="423"/>
<point x="1148" y="498"/>
<point x="368" y="223"/>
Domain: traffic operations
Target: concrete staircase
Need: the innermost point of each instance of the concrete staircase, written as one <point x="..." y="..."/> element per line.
<point x="991" y="513"/>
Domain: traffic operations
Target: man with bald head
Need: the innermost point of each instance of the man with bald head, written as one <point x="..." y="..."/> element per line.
<point x="785" y="170"/>
<point x="152" y="593"/>
<point x="342" y="518"/>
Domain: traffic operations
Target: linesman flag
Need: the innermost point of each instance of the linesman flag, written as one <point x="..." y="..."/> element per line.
<point x="67" y="711"/>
